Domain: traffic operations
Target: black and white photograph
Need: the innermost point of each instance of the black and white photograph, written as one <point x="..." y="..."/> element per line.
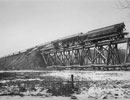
<point x="64" y="49"/>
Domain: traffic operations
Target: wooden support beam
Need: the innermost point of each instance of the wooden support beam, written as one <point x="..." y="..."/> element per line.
<point x="101" y="54"/>
<point x="44" y="58"/>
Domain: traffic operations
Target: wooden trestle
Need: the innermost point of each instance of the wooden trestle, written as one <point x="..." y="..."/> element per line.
<point x="100" y="55"/>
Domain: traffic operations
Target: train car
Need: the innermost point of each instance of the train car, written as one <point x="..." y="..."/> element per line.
<point x="113" y="31"/>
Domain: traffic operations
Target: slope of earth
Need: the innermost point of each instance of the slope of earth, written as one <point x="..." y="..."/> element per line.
<point x="31" y="59"/>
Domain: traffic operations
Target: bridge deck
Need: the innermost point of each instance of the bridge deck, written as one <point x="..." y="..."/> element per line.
<point x="124" y="40"/>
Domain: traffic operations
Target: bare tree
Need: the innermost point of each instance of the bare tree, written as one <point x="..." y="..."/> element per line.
<point x="125" y="4"/>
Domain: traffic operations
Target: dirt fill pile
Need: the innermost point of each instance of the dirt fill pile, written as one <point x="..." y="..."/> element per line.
<point x="31" y="59"/>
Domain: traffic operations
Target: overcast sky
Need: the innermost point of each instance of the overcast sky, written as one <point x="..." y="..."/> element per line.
<point x="26" y="23"/>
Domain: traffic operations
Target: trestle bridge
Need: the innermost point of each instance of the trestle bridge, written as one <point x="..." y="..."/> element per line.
<point x="97" y="49"/>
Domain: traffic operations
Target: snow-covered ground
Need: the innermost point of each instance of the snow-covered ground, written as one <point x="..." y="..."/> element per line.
<point x="91" y="75"/>
<point x="109" y="85"/>
<point x="87" y="75"/>
<point x="48" y="98"/>
<point x="32" y="98"/>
